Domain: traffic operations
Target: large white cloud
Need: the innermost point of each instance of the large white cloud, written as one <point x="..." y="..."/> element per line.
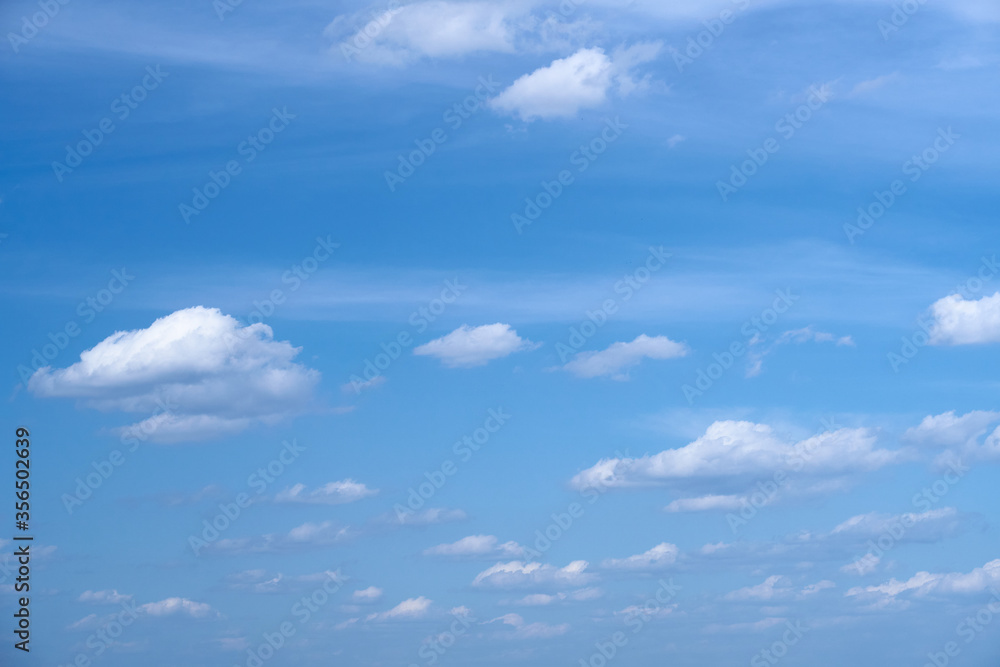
<point x="979" y="580"/>
<point x="960" y="321"/>
<point x="580" y="81"/>
<point x="200" y="373"/>
<point x="618" y="357"/>
<point x="741" y="449"/>
<point x="474" y="346"/>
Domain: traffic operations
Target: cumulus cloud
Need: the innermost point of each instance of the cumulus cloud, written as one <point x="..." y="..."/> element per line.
<point x="198" y="372"/>
<point x="308" y="535"/>
<point x="370" y="594"/>
<point x="921" y="584"/>
<point x="104" y="597"/>
<point x="580" y="81"/>
<point x="173" y="606"/>
<point x="743" y="450"/>
<point x="524" y="630"/>
<point x="661" y="556"/>
<point x="477" y="545"/>
<point x="432" y="29"/>
<point x="405" y="610"/>
<point x="956" y="320"/>
<point x="332" y="493"/>
<point x="474" y="346"/>
<point x="773" y="587"/>
<point x="517" y="574"/>
<point x="961" y="436"/>
<point x="617" y="358"/>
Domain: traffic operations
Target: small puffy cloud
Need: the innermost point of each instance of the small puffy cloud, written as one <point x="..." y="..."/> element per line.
<point x="743" y="450"/>
<point x="523" y="630"/>
<point x="474" y="346"/>
<point x="862" y="566"/>
<point x="104" y="597"/>
<point x="370" y="594"/>
<point x="308" y="535"/>
<point x="427" y="517"/>
<point x="661" y="556"/>
<point x="961" y="437"/>
<point x="958" y="321"/>
<point x="617" y="358"/>
<point x="332" y="493"/>
<point x="477" y="545"/>
<point x="812" y="589"/>
<point x="405" y="610"/>
<point x="580" y="81"/>
<point x="771" y="588"/>
<point x="979" y="580"/>
<point x="198" y="372"/>
<point x="518" y="574"/>
<point x="173" y="606"/>
<point x="870" y="85"/>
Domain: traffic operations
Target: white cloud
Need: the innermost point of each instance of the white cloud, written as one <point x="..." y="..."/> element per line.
<point x="707" y="503"/>
<point x="660" y="556"/>
<point x="370" y="594"/>
<point x="405" y="610"/>
<point x="332" y="493"/>
<point x="740" y="449"/>
<point x="477" y="545"/>
<point x="523" y="630"/>
<point x="620" y="356"/>
<point x="197" y="371"/>
<point x="474" y="346"/>
<point x="755" y="358"/>
<point x="812" y="589"/>
<point x="580" y="81"/>
<point x="433" y="29"/>
<point x="324" y="533"/>
<point x="104" y="597"/>
<point x="775" y="586"/>
<point x="427" y="517"/>
<point x="921" y="584"/>
<point x="957" y="321"/>
<point x="960" y="436"/>
<point x="872" y="84"/>
<point x="172" y="606"/>
<point x="521" y="574"/>
<point x="544" y="599"/>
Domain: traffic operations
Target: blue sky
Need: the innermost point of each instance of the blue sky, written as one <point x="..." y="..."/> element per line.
<point x="492" y="333"/>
